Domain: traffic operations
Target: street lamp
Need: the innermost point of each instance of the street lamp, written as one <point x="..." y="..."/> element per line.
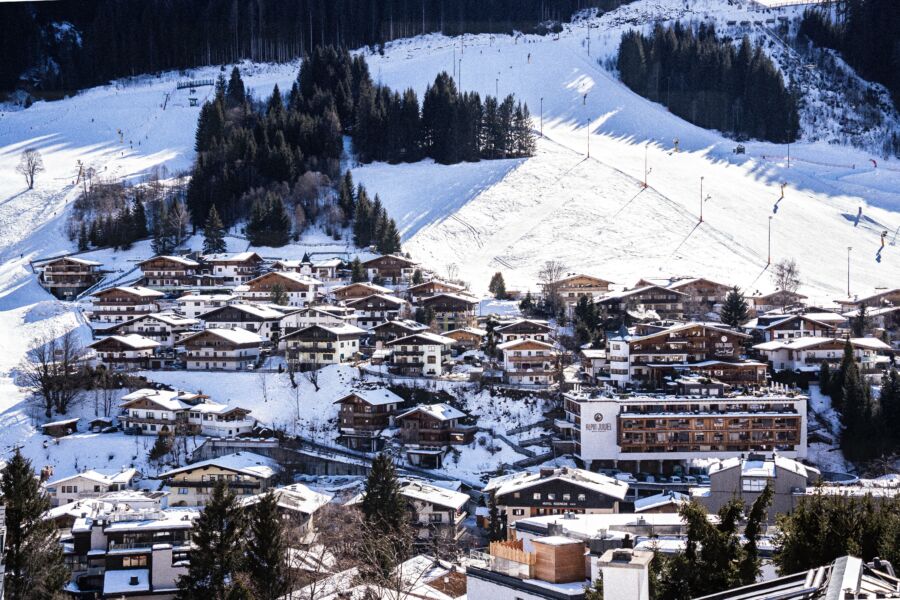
<point x="849" y="248"/>
<point x="459" y="75"/>
<point x="646" y="170"/>
<point x="588" y="127"/>
<point x="769" y="262"/>
<point x="497" y="86"/>
<point x="702" y="199"/>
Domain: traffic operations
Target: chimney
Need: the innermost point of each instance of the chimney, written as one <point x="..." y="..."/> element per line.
<point x="133" y="580"/>
<point x="626" y="574"/>
<point x="547" y="472"/>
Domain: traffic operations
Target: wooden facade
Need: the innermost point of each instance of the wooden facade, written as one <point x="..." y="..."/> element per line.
<point x="67" y="277"/>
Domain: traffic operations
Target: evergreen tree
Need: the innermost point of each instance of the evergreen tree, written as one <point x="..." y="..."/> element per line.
<point x="496" y="527"/>
<point x="163" y="241"/>
<point x="527" y="304"/>
<point x="138" y="228"/>
<point x="734" y="309"/>
<point x="497" y="286"/>
<point x="346" y="198"/>
<point x="357" y="272"/>
<point x="218" y="553"/>
<point x="860" y="323"/>
<point x="837" y="382"/>
<point x="34" y="558"/>
<point x="235" y="93"/>
<point x="362" y="226"/>
<point x="83" y="242"/>
<point x="417" y="277"/>
<point x="214" y="233"/>
<point x="279" y="295"/>
<point x="383" y="507"/>
<point x="267" y="550"/>
<point x="889" y="401"/>
<point x="825" y="379"/>
<point x="749" y="564"/>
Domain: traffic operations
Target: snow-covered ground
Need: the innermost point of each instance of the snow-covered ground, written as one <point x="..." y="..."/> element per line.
<point x="470" y="219"/>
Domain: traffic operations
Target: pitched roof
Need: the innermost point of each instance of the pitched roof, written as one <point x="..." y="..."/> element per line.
<point x="803" y="343"/>
<point x="246" y="463"/>
<point x="376" y="397"/>
<point x="657" y="500"/>
<point x="596" y="482"/>
<point x="424" y="338"/>
<point x="418" y="490"/>
<point x="383" y="297"/>
<point x="132" y="340"/>
<point x="343" y="329"/>
<point x="187" y="262"/>
<point x="295" y="497"/>
<point x="378" y="289"/>
<point x="441" y="412"/>
<point x="290" y="275"/>
<point x="687" y="326"/>
<point x="519" y="342"/>
<point x="238" y="335"/>
<point x="256" y="310"/>
<point x="231" y="257"/>
<point x="74" y="259"/>
<point x="135" y="290"/>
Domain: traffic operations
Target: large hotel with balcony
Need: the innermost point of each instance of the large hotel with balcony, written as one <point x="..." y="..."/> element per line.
<point x="657" y="432"/>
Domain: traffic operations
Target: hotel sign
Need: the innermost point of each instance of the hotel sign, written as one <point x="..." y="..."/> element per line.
<point x="598" y="425"/>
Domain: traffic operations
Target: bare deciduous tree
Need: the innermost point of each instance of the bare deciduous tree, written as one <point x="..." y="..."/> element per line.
<point x="550" y="274"/>
<point x="30" y="164"/>
<point x="53" y="371"/>
<point x="787" y="279"/>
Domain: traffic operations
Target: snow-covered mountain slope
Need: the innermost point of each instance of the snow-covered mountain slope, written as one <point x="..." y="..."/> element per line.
<point x="592" y="214"/>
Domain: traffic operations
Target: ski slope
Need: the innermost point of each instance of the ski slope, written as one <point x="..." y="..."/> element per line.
<point x="591" y="213"/>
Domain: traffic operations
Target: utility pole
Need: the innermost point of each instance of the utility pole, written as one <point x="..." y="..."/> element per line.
<point x="497" y="86"/>
<point x="646" y="171"/>
<point x="769" y="261"/>
<point x="454" y="64"/>
<point x="459" y="75"/>
<point x="542" y="116"/>
<point x="588" y="127"/>
<point x="789" y="156"/>
<point x="849" y="248"/>
<point x="701" y="198"/>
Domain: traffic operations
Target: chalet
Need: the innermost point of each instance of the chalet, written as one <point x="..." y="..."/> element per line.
<point x="467" y="338"/>
<point x="234" y="269"/>
<point x="364" y="414"/>
<point x="59" y="429"/>
<point x="156" y="412"/>
<point x="261" y="320"/>
<point x="68" y="276"/>
<point x="228" y="349"/>
<point x="320" y="314"/>
<point x="427" y="430"/>
<point x="127" y="353"/>
<point x="524" y="329"/>
<point x="435" y="512"/>
<point x="763" y="303"/>
<point x="703" y="295"/>
<point x="881" y="297"/>
<point x="88" y="484"/>
<point x="118" y="304"/>
<point x="640" y="302"/>
<point x="451" y="311"/>
<point x="192" y="305"/>
<point x="378" y="308"/>
<point x="785" y="327"/>
<point x="326" y="270"/>
<point x="646" y="358"/>
<point x="245" y="474"/>
<point x="320" y="345"/>
<point x="165" y="328"/>
<point x="417" y="292"/>
<point x="807" y="354"/>
<point x="595" y="362"/>
<point x="573" y="287"/>
<point x="555" y="491"/>
<point x="126" y="548"/>
<point x="883" y="322"/>
<point x="420" y="354"/>
<point x="295" y="502"/>
<point x="528" y="362"/>
<point x="398" y="328"/>
<point x="172" y="272"/>
<point x="360" y="289"/>
<point x="298" y="290"/>
<point x="664" y="502"/>
<point x="390" y="267"/>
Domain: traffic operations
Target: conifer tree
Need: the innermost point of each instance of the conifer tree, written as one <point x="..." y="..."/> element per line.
<point x="497" y="286"/>
<point x="83" y="242"/>
<point x="417" y="277"/>
<point x="734" y="309"/>
<point x="837" y="382"/>
<point x="860" y="322"/>
<point x="279" y="295"/>
<point x="496" y="529"/>
<point x="527" y="303"/>
<point x="383" y="507"/>
<point x="357" y="272"/>
<point x="214" y="233"/>
<point x="346" y="198"/>
<point x="825" y="379"/>
<point x="267" y="549"/>
<point x="35" y="569"/>
<point x="138" y="228"/>
<point x="235" y="93"/>
<point x="218" y="554"/>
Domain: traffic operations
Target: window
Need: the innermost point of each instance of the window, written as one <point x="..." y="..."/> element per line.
<point x="435" y="517"/>
<point x="182" y="491"/>
<point x="537" y="496"/>
<point x="753" y="485"/>
<point x="551" y="496"/>
<point x="134" y="561"/>
<point x="518" y="512"/>
<point x="567" y="497"/>
<point x="581" y="497"/>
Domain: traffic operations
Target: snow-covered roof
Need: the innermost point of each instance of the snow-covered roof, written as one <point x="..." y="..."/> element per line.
<point x="172" y="400"/>
<point x="442" y="412"/>
<point x="378" y="289"/>
<point x="246" y="463"/>
<point x="596" y="482"/>
<point x="472" y="330"/>
<point x="762" y="466"/>
<point x="458" y="297"/>
<point x="153" y="520"/>
<point x="295" y="277"/>
<point x="790" y="318"/>
<point x="521" y="341"/>
<point x="74" y="259"/>
<point x="384" y="297"/>
<point x="418" y="490"/>
<point x="187" y="262"/>
<point x="657" y="500"/>
<point x="262" y="312"/>
<point x="594" y="352"/>
<point x="688" y="326"/>
<point x="169" y="318"/>
<point x="132" y="340"/>
<point x="60" y="423"/>
<point x="238" y="335"/>
<point x="407" y="324"/>
<point x="376" y="397"/>
<point x="231" y="257"/>
<point x="125" y="581"/>
<point x="425" y="337"/>
<point x="134" y="290"/>
<point x="123" y="476"/>
<point x="638" y="290"/>
<point x="556" y="540"/>
<point x="206" y="297"/>
<point x="803" y="343"/>
<point x="296" y="497"/>
<point x="539" y="325"/>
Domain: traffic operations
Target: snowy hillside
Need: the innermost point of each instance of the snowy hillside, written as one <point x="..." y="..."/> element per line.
<point x="511" y="215"/>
